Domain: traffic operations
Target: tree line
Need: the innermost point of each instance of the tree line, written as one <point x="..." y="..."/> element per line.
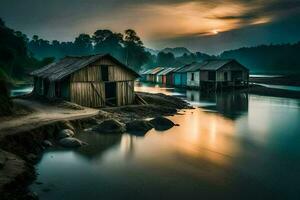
<point x="126" y="47"/>
<point x="20" y="55"/>
<point x="15" y="59"/>
<point x="282" y="58"/>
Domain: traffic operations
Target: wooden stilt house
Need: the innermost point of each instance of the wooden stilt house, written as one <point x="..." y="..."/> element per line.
<point x="152" y="76"/>
<point x="162" y="76"/>
<point x="93" y="81"/>
<point x="180" y="75"/>
<point x="221" y="73"/>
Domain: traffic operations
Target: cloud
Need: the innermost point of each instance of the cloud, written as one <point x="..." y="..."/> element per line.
<point x="158" y="22"/>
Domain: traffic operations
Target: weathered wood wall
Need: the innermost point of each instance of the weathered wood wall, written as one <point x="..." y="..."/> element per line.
<point x="38" y="86"/>
<point x="88" y="89"/>
<point x="196" y="81"/>
<point x="229" y="68"/>
<point x="88" y="94"/>
<point x="203" y="75"/>
<point x="125" y="92"/>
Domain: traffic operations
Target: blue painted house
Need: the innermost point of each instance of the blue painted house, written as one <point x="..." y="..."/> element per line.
<point x="180" y="76"/>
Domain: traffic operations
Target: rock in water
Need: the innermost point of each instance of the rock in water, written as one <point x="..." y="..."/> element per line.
<point x="70" y="142"/>
<point x="110" y="126"/>
<point x="65" y="133"/>
<point x="138" y="127"/>
<point x="161" y="123"/>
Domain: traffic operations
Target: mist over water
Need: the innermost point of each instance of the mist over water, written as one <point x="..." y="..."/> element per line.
<point x="231" y="146"/>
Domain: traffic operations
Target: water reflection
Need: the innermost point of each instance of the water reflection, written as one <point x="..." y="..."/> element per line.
<point x="127" y="146"/>
<point x="230" y="104"/>
<point x="248" y="148"/>
<point x="21" y="90"/>
<point x="97" y="144"/>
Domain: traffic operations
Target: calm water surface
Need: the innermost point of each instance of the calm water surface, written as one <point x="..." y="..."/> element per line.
<point x="232" y="146"/>
<point x="283" y="87"/>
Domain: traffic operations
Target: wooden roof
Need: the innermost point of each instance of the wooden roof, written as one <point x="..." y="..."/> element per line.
<point x="156" y="70"/>
<point x="70" y="64"/>
<point x="166" y="71"/>
<point x="188" y="68"/>
<point x="214" y="65"/>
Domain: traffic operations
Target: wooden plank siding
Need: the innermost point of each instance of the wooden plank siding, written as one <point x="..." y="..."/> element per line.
<point x="90" y="73"/>
<point x="81" y="84"/>
<point x="85" y="94"/>
<point x="196" y="81"/>
<point x="125" y="92"/>
<point x="230" y="69"/>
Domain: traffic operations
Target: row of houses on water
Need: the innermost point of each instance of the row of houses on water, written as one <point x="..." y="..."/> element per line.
<point x="101" y="80"/>
<point x="209" y="74"/>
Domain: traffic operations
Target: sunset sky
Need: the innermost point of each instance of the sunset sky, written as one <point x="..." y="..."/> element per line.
<point x="208" y="26"/>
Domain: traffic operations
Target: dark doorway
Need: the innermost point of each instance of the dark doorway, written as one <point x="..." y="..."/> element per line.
<point x="46" y="85"/>
<point x="104" y="72"/>
<point x="225" y="76"/>
<point x="111" y="93"/>
<point x="58" y="89"/>
<point x="212" y="75"/>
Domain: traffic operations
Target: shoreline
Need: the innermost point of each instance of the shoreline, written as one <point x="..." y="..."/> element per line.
<point x="286" y="80"/>
<point x="21" y="149"/>
<point x="272" y="92"/>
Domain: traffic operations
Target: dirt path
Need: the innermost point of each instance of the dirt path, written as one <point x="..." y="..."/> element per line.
<point x="42" y="114"/>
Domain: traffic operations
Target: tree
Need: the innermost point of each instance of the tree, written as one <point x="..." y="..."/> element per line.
<point x="165" y="59"/>
<point x="15" y="59"/>
<point x="108" y="42"/>
<point x="83" y="44"/>
<point x="134" y="51"/>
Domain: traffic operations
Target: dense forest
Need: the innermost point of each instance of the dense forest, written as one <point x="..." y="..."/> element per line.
<point x="19" y="55"/>
<point x="282" y="58"/>
<point x="127" y="47"/>
<point x="15" y="59"/>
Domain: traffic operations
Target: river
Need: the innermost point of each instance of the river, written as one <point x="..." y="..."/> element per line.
<point x="231" y="146"/>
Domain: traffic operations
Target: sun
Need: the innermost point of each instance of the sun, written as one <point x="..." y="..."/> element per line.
<point x="215" y="32"/>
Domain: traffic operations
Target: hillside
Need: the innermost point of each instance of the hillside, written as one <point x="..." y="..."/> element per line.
<point x="282" y="58"/>
<point x="177" y="51"/>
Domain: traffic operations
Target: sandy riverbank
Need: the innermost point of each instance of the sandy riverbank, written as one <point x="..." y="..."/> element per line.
<point x="22" y="136"/>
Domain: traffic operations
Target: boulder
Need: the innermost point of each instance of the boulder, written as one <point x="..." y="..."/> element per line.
<point x="31" y="196"/>
<point x="70" y="142"/>
<point x="32" y="157"/>
<point x="161" y="123"/>
<point x="47" y="143"/>
<point x="65" y="125"/>
<point x="110" y="126"/>
<point x="91" y="121"/>
<point x="138" y="127"/>
<point x="65" y="133"/>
